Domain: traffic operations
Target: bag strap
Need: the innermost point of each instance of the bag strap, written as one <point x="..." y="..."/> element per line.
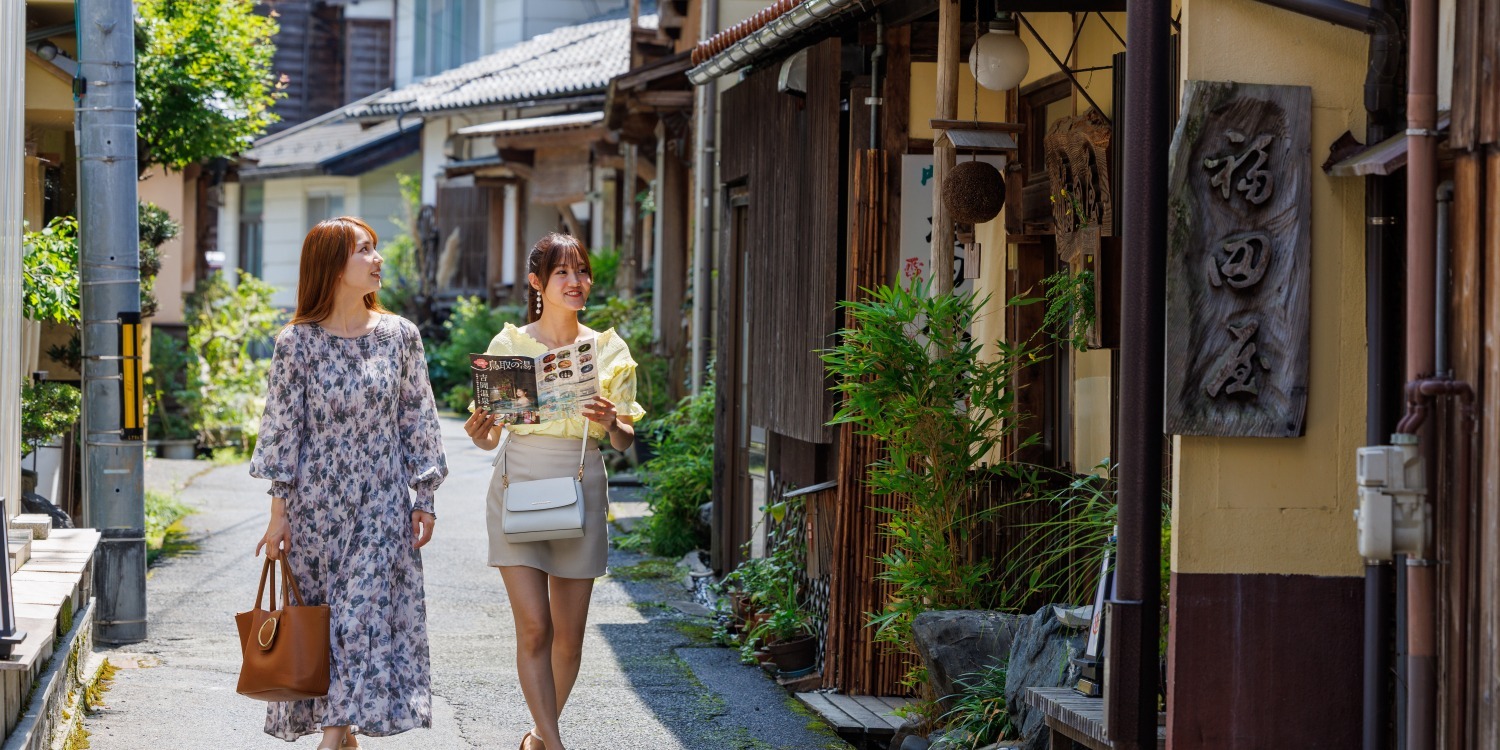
<point x="583" y="453"/>
<point x="290" y="582"/>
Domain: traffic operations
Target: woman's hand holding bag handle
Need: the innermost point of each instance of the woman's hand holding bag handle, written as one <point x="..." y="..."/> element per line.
<point x="286" y="655"/>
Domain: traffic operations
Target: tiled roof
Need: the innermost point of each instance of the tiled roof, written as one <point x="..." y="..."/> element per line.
<point x="567" y="61"/>
<point x="534" y="125"/>
<point x="319" y="140"/>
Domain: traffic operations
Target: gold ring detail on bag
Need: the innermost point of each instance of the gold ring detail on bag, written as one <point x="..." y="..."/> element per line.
<point x="266" y="640"/>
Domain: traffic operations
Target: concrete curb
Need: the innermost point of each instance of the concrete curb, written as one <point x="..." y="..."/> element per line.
<point x="58" y="689"/>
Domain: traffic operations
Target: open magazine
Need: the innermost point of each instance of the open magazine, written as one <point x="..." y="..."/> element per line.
<point x="530" y="390"/>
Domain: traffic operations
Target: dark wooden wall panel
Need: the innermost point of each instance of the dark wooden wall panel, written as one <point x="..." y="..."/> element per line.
<point x="787" y="150"/>
<point x="368" y="57"/>
<point x="466" y="209"/>
<point x="1265" y="661"/>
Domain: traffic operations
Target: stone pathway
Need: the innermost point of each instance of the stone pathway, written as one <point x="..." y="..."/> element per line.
<point x="650" y="680"/>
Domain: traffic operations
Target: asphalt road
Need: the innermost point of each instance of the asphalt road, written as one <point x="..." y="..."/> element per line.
<point x="649" y="679"/>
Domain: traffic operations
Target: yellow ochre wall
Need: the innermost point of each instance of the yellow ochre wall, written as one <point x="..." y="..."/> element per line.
<point x="1283" y="506"/>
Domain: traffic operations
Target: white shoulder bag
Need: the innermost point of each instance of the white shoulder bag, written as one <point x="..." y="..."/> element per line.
<point x="542" y="509"/>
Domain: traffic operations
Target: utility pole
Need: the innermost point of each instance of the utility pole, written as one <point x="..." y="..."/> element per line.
<point x="113" y="449"/>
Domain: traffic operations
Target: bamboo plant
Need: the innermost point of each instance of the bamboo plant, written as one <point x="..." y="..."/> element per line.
<point x="912" y="376"/>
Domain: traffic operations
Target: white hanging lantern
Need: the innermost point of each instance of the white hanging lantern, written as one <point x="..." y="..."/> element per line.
<point x="999" y="59"/>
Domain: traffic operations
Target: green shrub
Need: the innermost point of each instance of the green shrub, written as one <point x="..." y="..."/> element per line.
<point x="631" y="319"/>
<point x="469" y="329"/>
<point x="48" y="409"/>
<point x="166" y="381"/>
<point x="980" y="714"/>
<point x="680" y="478"/>
<point x="225" y="387"/>
<point x="911" y="376"/>
<point x="402" y="278"/>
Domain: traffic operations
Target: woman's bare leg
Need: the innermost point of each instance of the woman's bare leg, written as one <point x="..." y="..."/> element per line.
<point x="333" y="737"/>
<point x="527" y="588"/>
<point x="570" y="614"/>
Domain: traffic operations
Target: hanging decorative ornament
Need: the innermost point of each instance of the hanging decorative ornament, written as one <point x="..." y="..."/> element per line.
<point x="999" y="59"/>
<point x="974" y="192"/>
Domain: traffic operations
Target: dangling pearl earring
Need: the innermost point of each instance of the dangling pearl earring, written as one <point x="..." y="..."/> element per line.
<point x="539" y="304"/>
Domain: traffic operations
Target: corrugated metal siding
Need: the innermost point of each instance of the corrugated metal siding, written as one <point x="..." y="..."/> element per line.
<point x="787" y="149"/>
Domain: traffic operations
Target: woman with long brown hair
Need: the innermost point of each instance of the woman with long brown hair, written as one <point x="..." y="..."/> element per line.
<point x="349" y="426"/>
<point x="549" y="583"/>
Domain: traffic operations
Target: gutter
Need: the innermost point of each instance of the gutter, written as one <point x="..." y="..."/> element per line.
<point x="774" y="37"/>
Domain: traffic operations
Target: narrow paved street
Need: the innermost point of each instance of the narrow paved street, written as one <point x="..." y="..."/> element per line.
<point x="649" y="680"/>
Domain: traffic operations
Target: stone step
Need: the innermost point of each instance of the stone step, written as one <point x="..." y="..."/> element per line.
<point x="20" y="548"/>
<point x="39" y="523"/>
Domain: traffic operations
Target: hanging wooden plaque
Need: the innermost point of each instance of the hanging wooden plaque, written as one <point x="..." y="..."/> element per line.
<point x="1238" y="270"/>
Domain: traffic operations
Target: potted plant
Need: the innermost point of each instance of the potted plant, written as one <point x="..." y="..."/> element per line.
<point x="169" y="425"/>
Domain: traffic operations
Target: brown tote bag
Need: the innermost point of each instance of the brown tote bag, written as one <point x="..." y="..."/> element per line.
<point x="285" y="650"/>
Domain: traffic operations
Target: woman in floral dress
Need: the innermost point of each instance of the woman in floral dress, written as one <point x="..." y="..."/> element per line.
<point x="349" y="426"/>
<point x="550" y="582"/>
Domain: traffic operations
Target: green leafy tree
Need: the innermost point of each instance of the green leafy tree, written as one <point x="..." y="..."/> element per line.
<point x="203" y="78"/>
<point x="49" y="273"/>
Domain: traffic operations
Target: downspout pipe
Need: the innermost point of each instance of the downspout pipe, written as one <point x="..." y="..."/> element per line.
<point x="705" y="171"/>
<point x="1421" y="184"/>
<point x="877" y="58"/>
<point x="1383" y="277"/>
<point x="1134" y="610"/>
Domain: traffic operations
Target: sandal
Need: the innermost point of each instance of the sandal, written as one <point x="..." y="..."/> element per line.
<point x="531" y="736"/>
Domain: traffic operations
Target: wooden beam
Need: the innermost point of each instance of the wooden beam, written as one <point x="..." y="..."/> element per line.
<point x="940" y="265"/>
<point x="558" y="139"/>
<point x="666" y="99"/>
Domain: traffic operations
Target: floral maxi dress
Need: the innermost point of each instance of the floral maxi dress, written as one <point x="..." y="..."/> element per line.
<point x="349" y="425"/>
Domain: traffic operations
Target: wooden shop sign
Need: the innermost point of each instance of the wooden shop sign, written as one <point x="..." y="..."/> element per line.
<point x="1238" y="270"/>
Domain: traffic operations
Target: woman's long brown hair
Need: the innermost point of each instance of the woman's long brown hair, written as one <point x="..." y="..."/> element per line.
<point x="325" y="252"/>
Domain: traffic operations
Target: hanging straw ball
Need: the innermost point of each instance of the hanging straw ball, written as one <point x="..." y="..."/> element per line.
<point x="974" y="192"/>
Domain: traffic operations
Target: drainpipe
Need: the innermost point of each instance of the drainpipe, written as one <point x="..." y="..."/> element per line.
<point x="705" y="170"/>
<point x="1134" y="610"/>
<point x="1421" y="183"/>
<point x="876" y="59"/>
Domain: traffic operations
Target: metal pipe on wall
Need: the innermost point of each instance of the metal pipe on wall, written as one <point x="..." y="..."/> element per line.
<point x="1421" y="182"/>
<point x="1134" y="611"/>
<point x="705" y="171"/>
<point x="114" y="491"/>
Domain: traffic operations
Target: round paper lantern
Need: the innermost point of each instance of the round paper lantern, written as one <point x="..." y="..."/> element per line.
<point x="999" y="60"/>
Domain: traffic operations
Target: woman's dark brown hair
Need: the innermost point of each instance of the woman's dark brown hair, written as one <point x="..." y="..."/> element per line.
<point x="547" y="254"/>
<point x="325" y="252"/>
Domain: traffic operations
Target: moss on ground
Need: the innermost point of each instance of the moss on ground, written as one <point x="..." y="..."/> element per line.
<point x="699" y="632"/>
<point x="650" y="569"/>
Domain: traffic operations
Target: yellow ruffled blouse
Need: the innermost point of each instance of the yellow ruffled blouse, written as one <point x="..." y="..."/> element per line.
<point x="616" y="381"/>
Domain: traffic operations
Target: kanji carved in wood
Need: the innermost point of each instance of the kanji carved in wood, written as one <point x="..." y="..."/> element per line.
<point x="1238" y="273"/>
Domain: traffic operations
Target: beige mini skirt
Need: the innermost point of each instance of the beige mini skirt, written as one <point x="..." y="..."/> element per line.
<point x="529" y="457"/>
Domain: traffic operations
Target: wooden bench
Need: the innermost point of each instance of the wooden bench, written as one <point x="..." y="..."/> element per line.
<point x="1074" y="721"/>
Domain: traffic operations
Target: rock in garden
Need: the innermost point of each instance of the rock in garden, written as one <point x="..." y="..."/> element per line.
<point x="956" y="643"/>
<point x="1040" y="656"/>
<point x="915" y="729"/>
<point x="914" y="742"/>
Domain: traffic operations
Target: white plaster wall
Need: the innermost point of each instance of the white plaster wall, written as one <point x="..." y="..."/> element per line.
<point x="229" y="228"/>
<point x="405" y="42"/>
<point x="380" y="196"/>
<point x="381" y="9"/>
<point x="285" y="225"/>
<point x="434" y="140"/>
<point x="12" y="150"/>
